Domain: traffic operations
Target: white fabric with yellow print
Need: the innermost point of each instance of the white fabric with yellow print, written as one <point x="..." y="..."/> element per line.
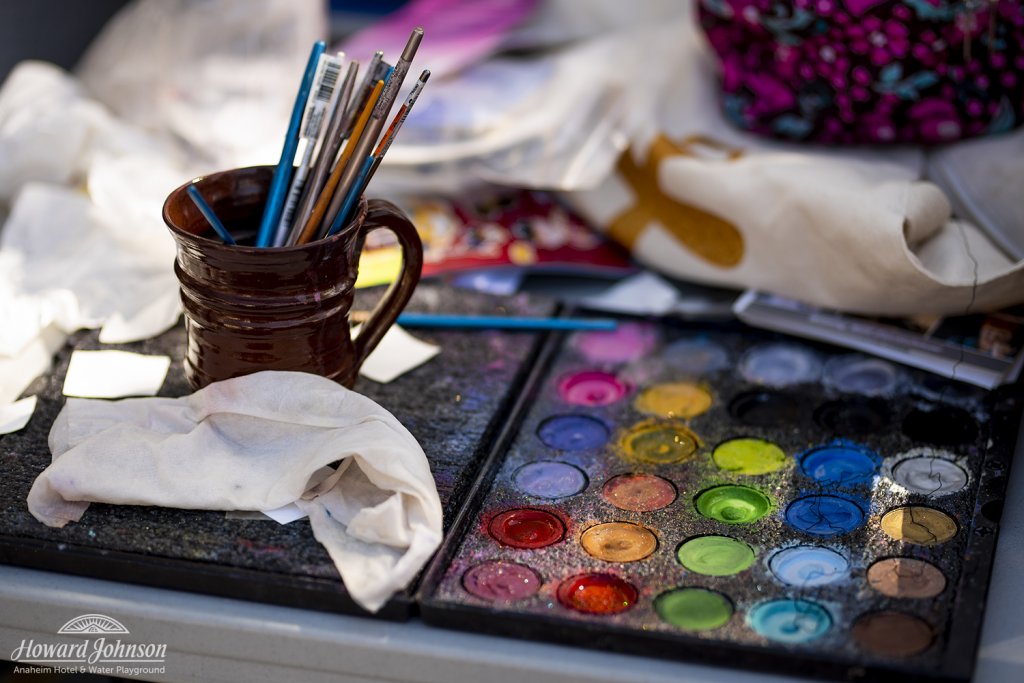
<point x="855" y="230"/>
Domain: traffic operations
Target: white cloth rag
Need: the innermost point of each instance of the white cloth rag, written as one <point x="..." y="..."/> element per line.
<point x="258" y="442"/>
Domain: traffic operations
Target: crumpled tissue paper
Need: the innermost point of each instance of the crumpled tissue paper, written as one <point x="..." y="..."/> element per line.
<point x="169" y="90"/>
<point x="72" y="259"/>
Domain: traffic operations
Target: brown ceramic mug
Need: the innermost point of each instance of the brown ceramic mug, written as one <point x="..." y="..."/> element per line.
<point x="286" y="308"/>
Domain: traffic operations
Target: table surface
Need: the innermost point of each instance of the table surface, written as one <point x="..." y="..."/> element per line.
<point x="217" y="639"/>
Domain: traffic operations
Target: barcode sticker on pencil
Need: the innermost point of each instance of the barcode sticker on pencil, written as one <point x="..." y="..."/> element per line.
<point x="320" y="96"/>
<point x="332" y="68"/>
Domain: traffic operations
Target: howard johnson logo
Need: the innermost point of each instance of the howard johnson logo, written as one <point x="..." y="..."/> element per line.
<point x="101" y="652"/>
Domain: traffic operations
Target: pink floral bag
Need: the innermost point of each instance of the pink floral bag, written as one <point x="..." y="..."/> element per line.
<point x="869" y="71"/>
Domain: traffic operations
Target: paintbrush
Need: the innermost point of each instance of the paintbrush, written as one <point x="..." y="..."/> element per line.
<point x="372" y="162"/>
<point x="209" y="215"/>
<point x="359" y="96"/>
<point x="329" y="147"/>
<point x="398" y="121"/>
<point x="319" y="104"/>
<point x="309" y="231"/>
<point x="366" y="142"/>
<point x="282" y="174"/>
<point x="493" y="322"/>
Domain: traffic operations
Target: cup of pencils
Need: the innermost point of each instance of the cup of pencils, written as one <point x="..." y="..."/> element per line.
<point x="267" y="256"/>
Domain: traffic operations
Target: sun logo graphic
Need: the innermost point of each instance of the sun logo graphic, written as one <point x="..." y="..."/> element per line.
<point x="92" y="623"/>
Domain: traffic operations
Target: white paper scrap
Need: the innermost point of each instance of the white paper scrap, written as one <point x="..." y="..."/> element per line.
<point x="247" y="515"/>
<point x="285" y="514"/>
<point x="26" y="316"/>
<point x="18" y="371"/>
<point x="642" y="294"/>
<point x="156" y="317"/>
<point x="114" y="374"/>
<point x="398" y="353"/>
<point x="15" y="416"/>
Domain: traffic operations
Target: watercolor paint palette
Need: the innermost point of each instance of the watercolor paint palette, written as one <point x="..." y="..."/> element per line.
<point x="736" y="497"/>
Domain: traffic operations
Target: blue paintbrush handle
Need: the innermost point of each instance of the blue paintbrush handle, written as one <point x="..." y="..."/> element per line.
<point x="279" y="183"/>
<point x="350" y="199"/>
<point x="494" y="322"/>
<point x="209" y="215"/>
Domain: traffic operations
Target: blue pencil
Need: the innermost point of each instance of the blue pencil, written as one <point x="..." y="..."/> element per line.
<point x="209" y="215"/>
<point x="496" y="322"/>
<point x="279" y="184"/>
<point x="350" y="199"/>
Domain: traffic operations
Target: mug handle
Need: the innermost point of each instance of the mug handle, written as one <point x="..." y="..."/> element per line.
<point x="384" y="214"/>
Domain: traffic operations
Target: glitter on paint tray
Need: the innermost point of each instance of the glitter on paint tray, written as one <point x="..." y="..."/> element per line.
<point x="768" y="497"/>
